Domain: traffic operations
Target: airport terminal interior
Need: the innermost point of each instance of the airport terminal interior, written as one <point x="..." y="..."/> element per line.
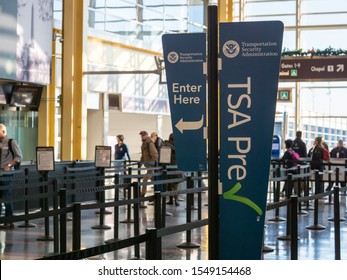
<point x="75" y="74"/>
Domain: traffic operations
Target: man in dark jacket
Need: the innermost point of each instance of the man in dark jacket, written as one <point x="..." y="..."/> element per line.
<point x="339" y="152"/>
<point x="299" y="146"/>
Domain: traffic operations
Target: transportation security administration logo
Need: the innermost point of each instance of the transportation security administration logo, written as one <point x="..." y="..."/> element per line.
<point x="231" y="49"/>
<point x="173" y="57"/>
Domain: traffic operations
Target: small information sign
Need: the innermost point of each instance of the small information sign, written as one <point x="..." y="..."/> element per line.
<point x="165" y="155"/>
<point x="102" y="156"/>
<point x="45" y="159"/>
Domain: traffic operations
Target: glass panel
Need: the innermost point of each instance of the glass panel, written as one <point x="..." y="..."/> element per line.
<point x="253" y="8"/>
<point x="322" y="39"/>
<point x="22" y="126"/>
<point x="146" y="21"/>
<point x="316" y="6"/>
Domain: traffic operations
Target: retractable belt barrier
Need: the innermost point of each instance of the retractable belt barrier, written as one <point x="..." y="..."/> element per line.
<point x="58" y="196"/>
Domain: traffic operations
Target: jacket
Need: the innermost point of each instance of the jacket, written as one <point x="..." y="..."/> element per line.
<point x="149" y="153"/>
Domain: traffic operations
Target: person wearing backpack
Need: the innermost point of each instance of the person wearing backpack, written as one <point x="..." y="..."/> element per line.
<point x="10" y="156"/>
<point x="289" y="160"/>
<point x="319" y="154"/>
<point x="290" y="157"/>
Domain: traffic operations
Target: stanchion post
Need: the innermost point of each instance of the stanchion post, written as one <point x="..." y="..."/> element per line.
<point x="315" y="225"/>
<point x="330" y="184"/>
<point x="199" y="196"/>
<point x="294" y="228"/>
<point x="102" y="198"/>
<point x="55" y="218"/>
<point x="163" y="199"/>
<point x="288" y="186"/>
<point x="76" y="226"/>
<point x="26" y="203"/>
<point x="116" y="208"/>
<point x="63" y="219"/>
<point x="317" y="191"/>
<point x="337" y="228"/>
<point x="277" y="218"/>
<point x="102" y="211"/>
<point x="115" y="211"/>
<point x="190" y="198"/>
<point x="188" y="243"/>
<point x="152" y="249"/>
<point x="46" y="202"/>
<point x="127" y="195"/>
<point x="45" y="207"/>
<point x="158" y="221"/>
<point x="307" y="188"/>
<point x="136" y="218"/>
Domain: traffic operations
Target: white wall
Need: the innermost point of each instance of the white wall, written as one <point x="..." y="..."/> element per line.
<point x="95" y="132"/>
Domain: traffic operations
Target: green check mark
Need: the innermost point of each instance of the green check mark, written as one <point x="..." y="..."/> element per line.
<point x="231" y="195"/>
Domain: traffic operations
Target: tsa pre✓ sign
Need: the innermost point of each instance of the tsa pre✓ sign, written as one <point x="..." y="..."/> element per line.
<point x="250" y="54"/>
<point x="185" y="56"/>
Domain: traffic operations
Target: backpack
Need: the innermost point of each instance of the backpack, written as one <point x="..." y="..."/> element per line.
<point x="17" y="166"/>
<point x="295" y="155"/>
<point x="326" y="156"/>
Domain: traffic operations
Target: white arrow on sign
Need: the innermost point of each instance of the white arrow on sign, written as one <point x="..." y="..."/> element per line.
<point x="340" y="68"/>
<point x="182" y="125"/>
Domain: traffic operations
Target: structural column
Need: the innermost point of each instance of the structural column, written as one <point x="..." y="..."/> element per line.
<point x="225" y="10"/>
<point x="46" y="119"/>
<point x="73" y="103"/>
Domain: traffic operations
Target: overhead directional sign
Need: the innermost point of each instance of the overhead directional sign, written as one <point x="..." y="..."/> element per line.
<point x="250" y="53"/>
<point x="316" y="68"/>
<point x="185" y="58"/>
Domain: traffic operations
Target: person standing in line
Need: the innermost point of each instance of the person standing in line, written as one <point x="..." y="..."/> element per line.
<point x="339" y="152"/>
<point x="149" y="157"/>
<point x="157" y="141"/>
<point x="121" y="150"/>
<point x="288" y="157"/>
<point x="325" y="145"/>
<point x="309" y="153"/>
<point x="317" y="154"/>
<point x="172" y="186"/>
<point x="299" y="146"/>
<point x="318" y="158"/>
<point x="10" y="156"/>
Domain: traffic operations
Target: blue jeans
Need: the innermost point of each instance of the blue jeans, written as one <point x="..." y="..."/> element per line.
<point x="5" y="193"/>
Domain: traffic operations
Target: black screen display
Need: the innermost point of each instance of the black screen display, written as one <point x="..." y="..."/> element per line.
<point x="26" y="96"/>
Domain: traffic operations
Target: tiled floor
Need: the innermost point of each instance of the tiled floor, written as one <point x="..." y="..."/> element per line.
<point x="21" y="243"/>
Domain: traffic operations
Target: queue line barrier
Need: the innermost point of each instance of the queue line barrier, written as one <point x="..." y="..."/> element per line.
<point x="68" y="185"/>
<point x="41" y="181"/>
<point x="292" y="203"/>
<point x="77" y="209"/>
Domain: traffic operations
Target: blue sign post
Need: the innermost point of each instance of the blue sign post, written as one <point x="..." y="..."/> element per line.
<point x="185" y="58"/>
<point x="276" y="146"/>
<point x="250" y="53"/>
